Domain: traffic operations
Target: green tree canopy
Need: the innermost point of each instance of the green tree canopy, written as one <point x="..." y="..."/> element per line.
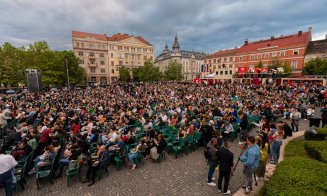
<point x="147" y="73"/>
<point x="317" y="66"/>
<point x="277" y="63"/>
<point x="124" y="74"/>
<point x="174" y="71"/>
<point x="259" y="65"/>
<point x="15" y="60"/>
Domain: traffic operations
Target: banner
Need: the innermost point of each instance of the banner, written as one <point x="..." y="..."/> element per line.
<point x="242" y="70"/>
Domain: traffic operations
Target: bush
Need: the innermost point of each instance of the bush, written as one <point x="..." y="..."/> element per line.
<point x="321" y="135"/>
<point x="317" y="150"/>
<point x="297" y="174"/>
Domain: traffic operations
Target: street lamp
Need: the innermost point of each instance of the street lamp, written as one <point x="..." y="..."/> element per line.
<point x="67" y="75"/>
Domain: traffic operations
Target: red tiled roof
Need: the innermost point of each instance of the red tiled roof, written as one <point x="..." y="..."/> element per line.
<point x="230" y="52"/>
<point x="119" y="37"/>
<point x="115" y="37"/>
<point x="289" y="40"/>
<point x="84" y="35"/>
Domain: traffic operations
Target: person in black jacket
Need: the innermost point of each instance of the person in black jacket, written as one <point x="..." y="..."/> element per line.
<point x="101" y="157"/>
<point x="225" y="160"/>
<point x="324" y="116"/>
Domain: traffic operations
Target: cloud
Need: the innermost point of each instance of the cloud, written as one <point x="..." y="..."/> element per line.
<point x="201" y="25"/>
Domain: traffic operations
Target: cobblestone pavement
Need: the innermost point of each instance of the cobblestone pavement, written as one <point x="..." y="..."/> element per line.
<point x="186" y="175"/>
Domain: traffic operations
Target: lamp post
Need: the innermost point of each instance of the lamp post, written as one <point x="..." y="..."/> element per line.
<point x="67" y="75"/>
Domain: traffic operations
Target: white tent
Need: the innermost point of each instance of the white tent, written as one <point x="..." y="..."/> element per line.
<point x="210" y="76"/>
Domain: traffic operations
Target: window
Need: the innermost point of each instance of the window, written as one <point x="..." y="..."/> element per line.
<point x="230" y="72"/>
<point x="103" y="70"/>
<point x="82" y="45"/>
<point x="91" y="46"/>
<point x="91" y="53"/>
<point x="120" y="56"/>
<point x="266" y="55"/>
<point x="252" y="57"/>
<point x="126" y="55"/>
<point x="221" y="73"/>
<point x="214" y="61"/>
<point x="112" y="55"/>
<point x="138" y="57"/>
<point x="294" y="64"/>
<point x="241" y="58"/>
<point x="81" y="61"/>
<point x="219" y="60"/>
<point x="80" y="53"/>
<point x="296" y="51"/>
<point x="282" y="53"/>
<point x="216" y="72"/>
<point x="120" y="62"/>
<point x="93" y="79"/>
<point x="225" y="59"/>
<point x="112" y="63"/>
<point x="101" y="54"/>
<point x="138" y="49"/>
<point x="209" y="61"/>
<point x="226" y="72"/>
<point x="92" y="69"/>
<point x="259" y="56"/>
<point x="112" y="71"/>
<point x="101" y="62"/>
<point x="274" y="54"/>
<point x="230" y="59"/>
<point x="92" y="61"/>
<point x="144" y="58"/>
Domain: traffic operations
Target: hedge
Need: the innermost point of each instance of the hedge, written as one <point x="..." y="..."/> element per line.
<point x="317" y="150"/>
<point x="321" y="134"/>
<point x="298" y="174"/>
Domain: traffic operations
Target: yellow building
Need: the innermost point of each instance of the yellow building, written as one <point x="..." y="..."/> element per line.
<point x="102" y="56"/>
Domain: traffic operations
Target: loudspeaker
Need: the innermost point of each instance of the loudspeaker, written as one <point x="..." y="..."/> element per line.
<point x="34" y="83"/>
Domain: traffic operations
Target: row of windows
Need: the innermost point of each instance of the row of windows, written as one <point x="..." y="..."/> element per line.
<point x="81" y="53"/>
<point x="220" y="60"/>
<point x="111" y="47"/>
<point x="132" y="49"/>
<point x="92" y="62"/>
<point x="268" y="55"/>
<point x="294" y="64"/>
<point x="94" y="70"/>
<point x="90" y="46"/>
<point x="226" y="72"/>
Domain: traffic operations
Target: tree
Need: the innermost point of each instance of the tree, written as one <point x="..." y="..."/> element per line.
<point x="14" y="61"/>
<point x="277" y="63"/>
<point x="174" y="71"/>
<point x="259" y="65"/>
<point x="317" y="66"/>
<point x="124" y="74"/>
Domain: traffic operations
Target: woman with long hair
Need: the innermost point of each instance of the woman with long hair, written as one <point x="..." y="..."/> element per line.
<point x="277" y="143"/>
<point x="262" y="142"/>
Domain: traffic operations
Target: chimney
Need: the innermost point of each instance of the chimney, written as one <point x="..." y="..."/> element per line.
<point x="272" y="37"/>
<point x="309" y="29"/>
<point x="326" y="36"/>
<point x="246" y="42"/>
<point x="300" y="33"/>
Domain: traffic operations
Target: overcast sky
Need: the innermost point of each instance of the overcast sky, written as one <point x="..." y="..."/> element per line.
<point x="207" y="25"/>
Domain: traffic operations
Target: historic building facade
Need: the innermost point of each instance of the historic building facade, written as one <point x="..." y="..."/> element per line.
<point x="220" y="65"/>
<point x="289" y="48"/>
<point x="190" y="60"/>
<point x="101" y="56"/>
<point x="316" y="49"/>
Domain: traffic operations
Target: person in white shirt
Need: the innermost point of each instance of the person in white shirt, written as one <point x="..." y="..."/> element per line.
<point x="7" y="163"/>
<point x="163" y="117"/>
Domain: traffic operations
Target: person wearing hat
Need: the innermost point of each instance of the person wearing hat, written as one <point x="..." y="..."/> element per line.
<point x="262" y="142"/>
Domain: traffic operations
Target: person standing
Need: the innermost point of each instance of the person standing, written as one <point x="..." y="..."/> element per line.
<point x="277" y="143"/>
<point x="296" y="115"/>
<point x="263" y="144"/>
<point x="7" y="163"/>
<point x="250" y="159"/>
<point x="225" y="160"/>
<point x="212" y="160"/>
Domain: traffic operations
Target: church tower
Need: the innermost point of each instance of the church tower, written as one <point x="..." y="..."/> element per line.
<point x="176" y="45"/>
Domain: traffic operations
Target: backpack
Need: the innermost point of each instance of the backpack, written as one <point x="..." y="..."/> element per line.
<point x="206" y="153"/>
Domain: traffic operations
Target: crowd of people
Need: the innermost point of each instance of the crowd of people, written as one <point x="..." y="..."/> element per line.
<point x="94" y="125"/>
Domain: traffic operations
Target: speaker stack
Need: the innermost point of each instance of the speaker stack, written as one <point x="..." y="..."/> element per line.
<point x="34" y="83"/>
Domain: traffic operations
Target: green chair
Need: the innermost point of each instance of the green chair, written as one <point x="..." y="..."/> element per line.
<point x="179" y="147"/>
<point x="196" y="137"/>
<point x="74" y="169"/>
<point x="45" y="171"/>
<point x="103" y="168"/>
<point x="190" y="142"/>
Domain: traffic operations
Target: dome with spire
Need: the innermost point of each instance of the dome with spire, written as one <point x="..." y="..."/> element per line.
<point x="176" y="46"/>
<point x="166" y="49"/>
